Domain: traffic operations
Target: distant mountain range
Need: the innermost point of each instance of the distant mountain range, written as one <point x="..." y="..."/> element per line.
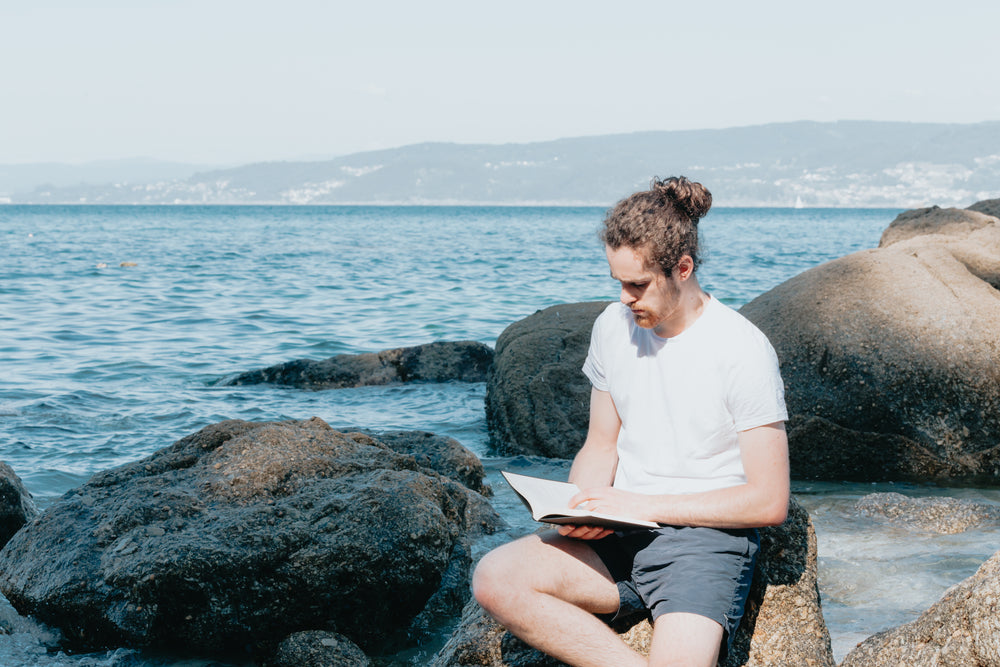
<point x="846" y="163"/>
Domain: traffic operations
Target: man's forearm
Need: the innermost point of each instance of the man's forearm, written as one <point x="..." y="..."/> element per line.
<point x="596" y="462"/>
<point x="594" y="466"/>
<point x="740" y="506"/>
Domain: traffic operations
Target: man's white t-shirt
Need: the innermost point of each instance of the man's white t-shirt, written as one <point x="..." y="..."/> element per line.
<point x="682" y="400"/>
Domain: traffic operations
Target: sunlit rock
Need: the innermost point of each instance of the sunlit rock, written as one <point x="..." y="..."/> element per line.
<point x="961" y="630"/>
<point x="891" y="358"/>
<point x="437" y="452"/>
<point x="943" y="515"/>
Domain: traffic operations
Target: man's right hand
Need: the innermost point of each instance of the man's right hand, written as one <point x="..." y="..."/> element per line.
<point x="584" y="532"/>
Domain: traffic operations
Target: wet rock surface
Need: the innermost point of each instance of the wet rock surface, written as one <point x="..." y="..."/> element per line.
<point x="537" y="397"/>
<point x="946" y="516"/>
<point x="961" y="630"/>
<point x="437" y="452"/>
<point x="315" y="648"/>
<point x="890" y="356"/>
<point x="783" y="624"/>
<point x="16" y="505"/>
<point x="243" y="533"/>
<point x="465" y="361"/>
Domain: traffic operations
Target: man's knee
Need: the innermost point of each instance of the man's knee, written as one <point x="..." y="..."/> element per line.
<point x="499" y="576"/>
<point x="494" y="582"/>
<point x="485" y="580"/>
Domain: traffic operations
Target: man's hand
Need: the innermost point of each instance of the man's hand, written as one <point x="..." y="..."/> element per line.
<point x="584" y="532"/>
<point x="609" y="500"/>
<point x="604" y="500"/>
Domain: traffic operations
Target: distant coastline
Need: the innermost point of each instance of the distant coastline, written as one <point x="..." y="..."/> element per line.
<point x="845" y="164"/>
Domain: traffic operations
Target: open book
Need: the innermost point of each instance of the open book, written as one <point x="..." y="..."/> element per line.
<point x="548" y="502"/>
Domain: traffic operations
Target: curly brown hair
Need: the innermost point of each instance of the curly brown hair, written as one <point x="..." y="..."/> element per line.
<point x="661" y="222"/>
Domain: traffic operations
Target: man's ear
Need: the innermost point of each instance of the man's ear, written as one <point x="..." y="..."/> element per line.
<point x="684" y="267"/>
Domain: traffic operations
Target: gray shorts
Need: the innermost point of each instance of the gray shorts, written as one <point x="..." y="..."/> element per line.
<point x="704" y="571"/>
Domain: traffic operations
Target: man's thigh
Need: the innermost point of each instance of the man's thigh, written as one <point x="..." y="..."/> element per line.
<point x="547" y="562"/>
<point x="685" y="639"/>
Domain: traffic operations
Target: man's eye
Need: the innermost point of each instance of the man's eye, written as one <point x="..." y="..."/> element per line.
<point x="638" y="285"/>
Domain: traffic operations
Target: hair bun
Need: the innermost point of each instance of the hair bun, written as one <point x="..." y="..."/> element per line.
<point x="692" y="198"/>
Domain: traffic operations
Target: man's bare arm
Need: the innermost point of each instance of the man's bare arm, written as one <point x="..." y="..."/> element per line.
<point x="595" y="464"/>
<point x="761" y="501"/>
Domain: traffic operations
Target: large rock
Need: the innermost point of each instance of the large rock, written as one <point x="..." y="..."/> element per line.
<point x="464" y="361"/>
<point x="961" y="630"/>
<point x="891" y="357"/>
<point x="243" y="533"/>
<point x="16" y="505"/>
<point x="783" y="624"/>
<point x="943" y="515"/>
<point x="537" y="397"/>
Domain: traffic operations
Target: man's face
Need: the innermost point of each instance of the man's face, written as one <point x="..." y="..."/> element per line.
<point x="652" y="297"/>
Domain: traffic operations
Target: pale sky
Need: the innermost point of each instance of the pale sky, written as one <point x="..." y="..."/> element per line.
<point x="230" y="82"/>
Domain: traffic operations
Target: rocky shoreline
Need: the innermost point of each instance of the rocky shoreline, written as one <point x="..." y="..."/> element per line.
<point x="294" y="544"/>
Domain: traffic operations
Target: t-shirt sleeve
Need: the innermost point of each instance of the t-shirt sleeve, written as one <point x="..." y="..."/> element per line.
<point x="756" y="390"/>
<point x="593" y="367"/>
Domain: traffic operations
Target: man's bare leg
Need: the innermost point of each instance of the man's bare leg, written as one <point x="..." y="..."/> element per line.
<point x="685" y="640"/>
<point x="545" y="590"/>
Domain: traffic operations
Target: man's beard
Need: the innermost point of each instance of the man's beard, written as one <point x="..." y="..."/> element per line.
<point x="644" y="319"/>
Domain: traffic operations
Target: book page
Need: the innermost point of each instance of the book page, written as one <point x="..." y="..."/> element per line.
<point x="548" y="501"/>
<point x="543" y="495"/>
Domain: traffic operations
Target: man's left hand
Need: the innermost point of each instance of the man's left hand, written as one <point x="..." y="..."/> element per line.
<point x="609" y="500"/>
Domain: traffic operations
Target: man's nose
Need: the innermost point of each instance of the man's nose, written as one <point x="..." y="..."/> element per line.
<point x="627" y="297"/>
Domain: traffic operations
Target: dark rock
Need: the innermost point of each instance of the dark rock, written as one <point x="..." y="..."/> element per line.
<point x="452" y="594"/>
<point x="479" y="640"/>
<point x="890" y="356"/>
<point x="316" y="648"/>
<point x="819" y="448"/>
<point x="465" y="361"/>
<point x="962" y="629"/>
<point x="241" y="534"/>
<point x="783" y="624"/>
<point x="936" y="514"/>
<point x="16" y="505"/>
<point x="440" y="453"/>
<point x="987" y="206"/>
<point x="537" y="397"/>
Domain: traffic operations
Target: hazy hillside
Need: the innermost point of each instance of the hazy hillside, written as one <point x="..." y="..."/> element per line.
<point x="48" y="175"/>
<point x="815" y="164"/>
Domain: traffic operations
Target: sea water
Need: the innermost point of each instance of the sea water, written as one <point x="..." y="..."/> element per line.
<point x="116" y="324"/>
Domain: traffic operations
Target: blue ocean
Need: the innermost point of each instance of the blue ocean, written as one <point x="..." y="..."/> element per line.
<point x="116" y="323"/>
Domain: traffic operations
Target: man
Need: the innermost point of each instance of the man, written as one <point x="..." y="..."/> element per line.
<point x="686" y="429"/>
